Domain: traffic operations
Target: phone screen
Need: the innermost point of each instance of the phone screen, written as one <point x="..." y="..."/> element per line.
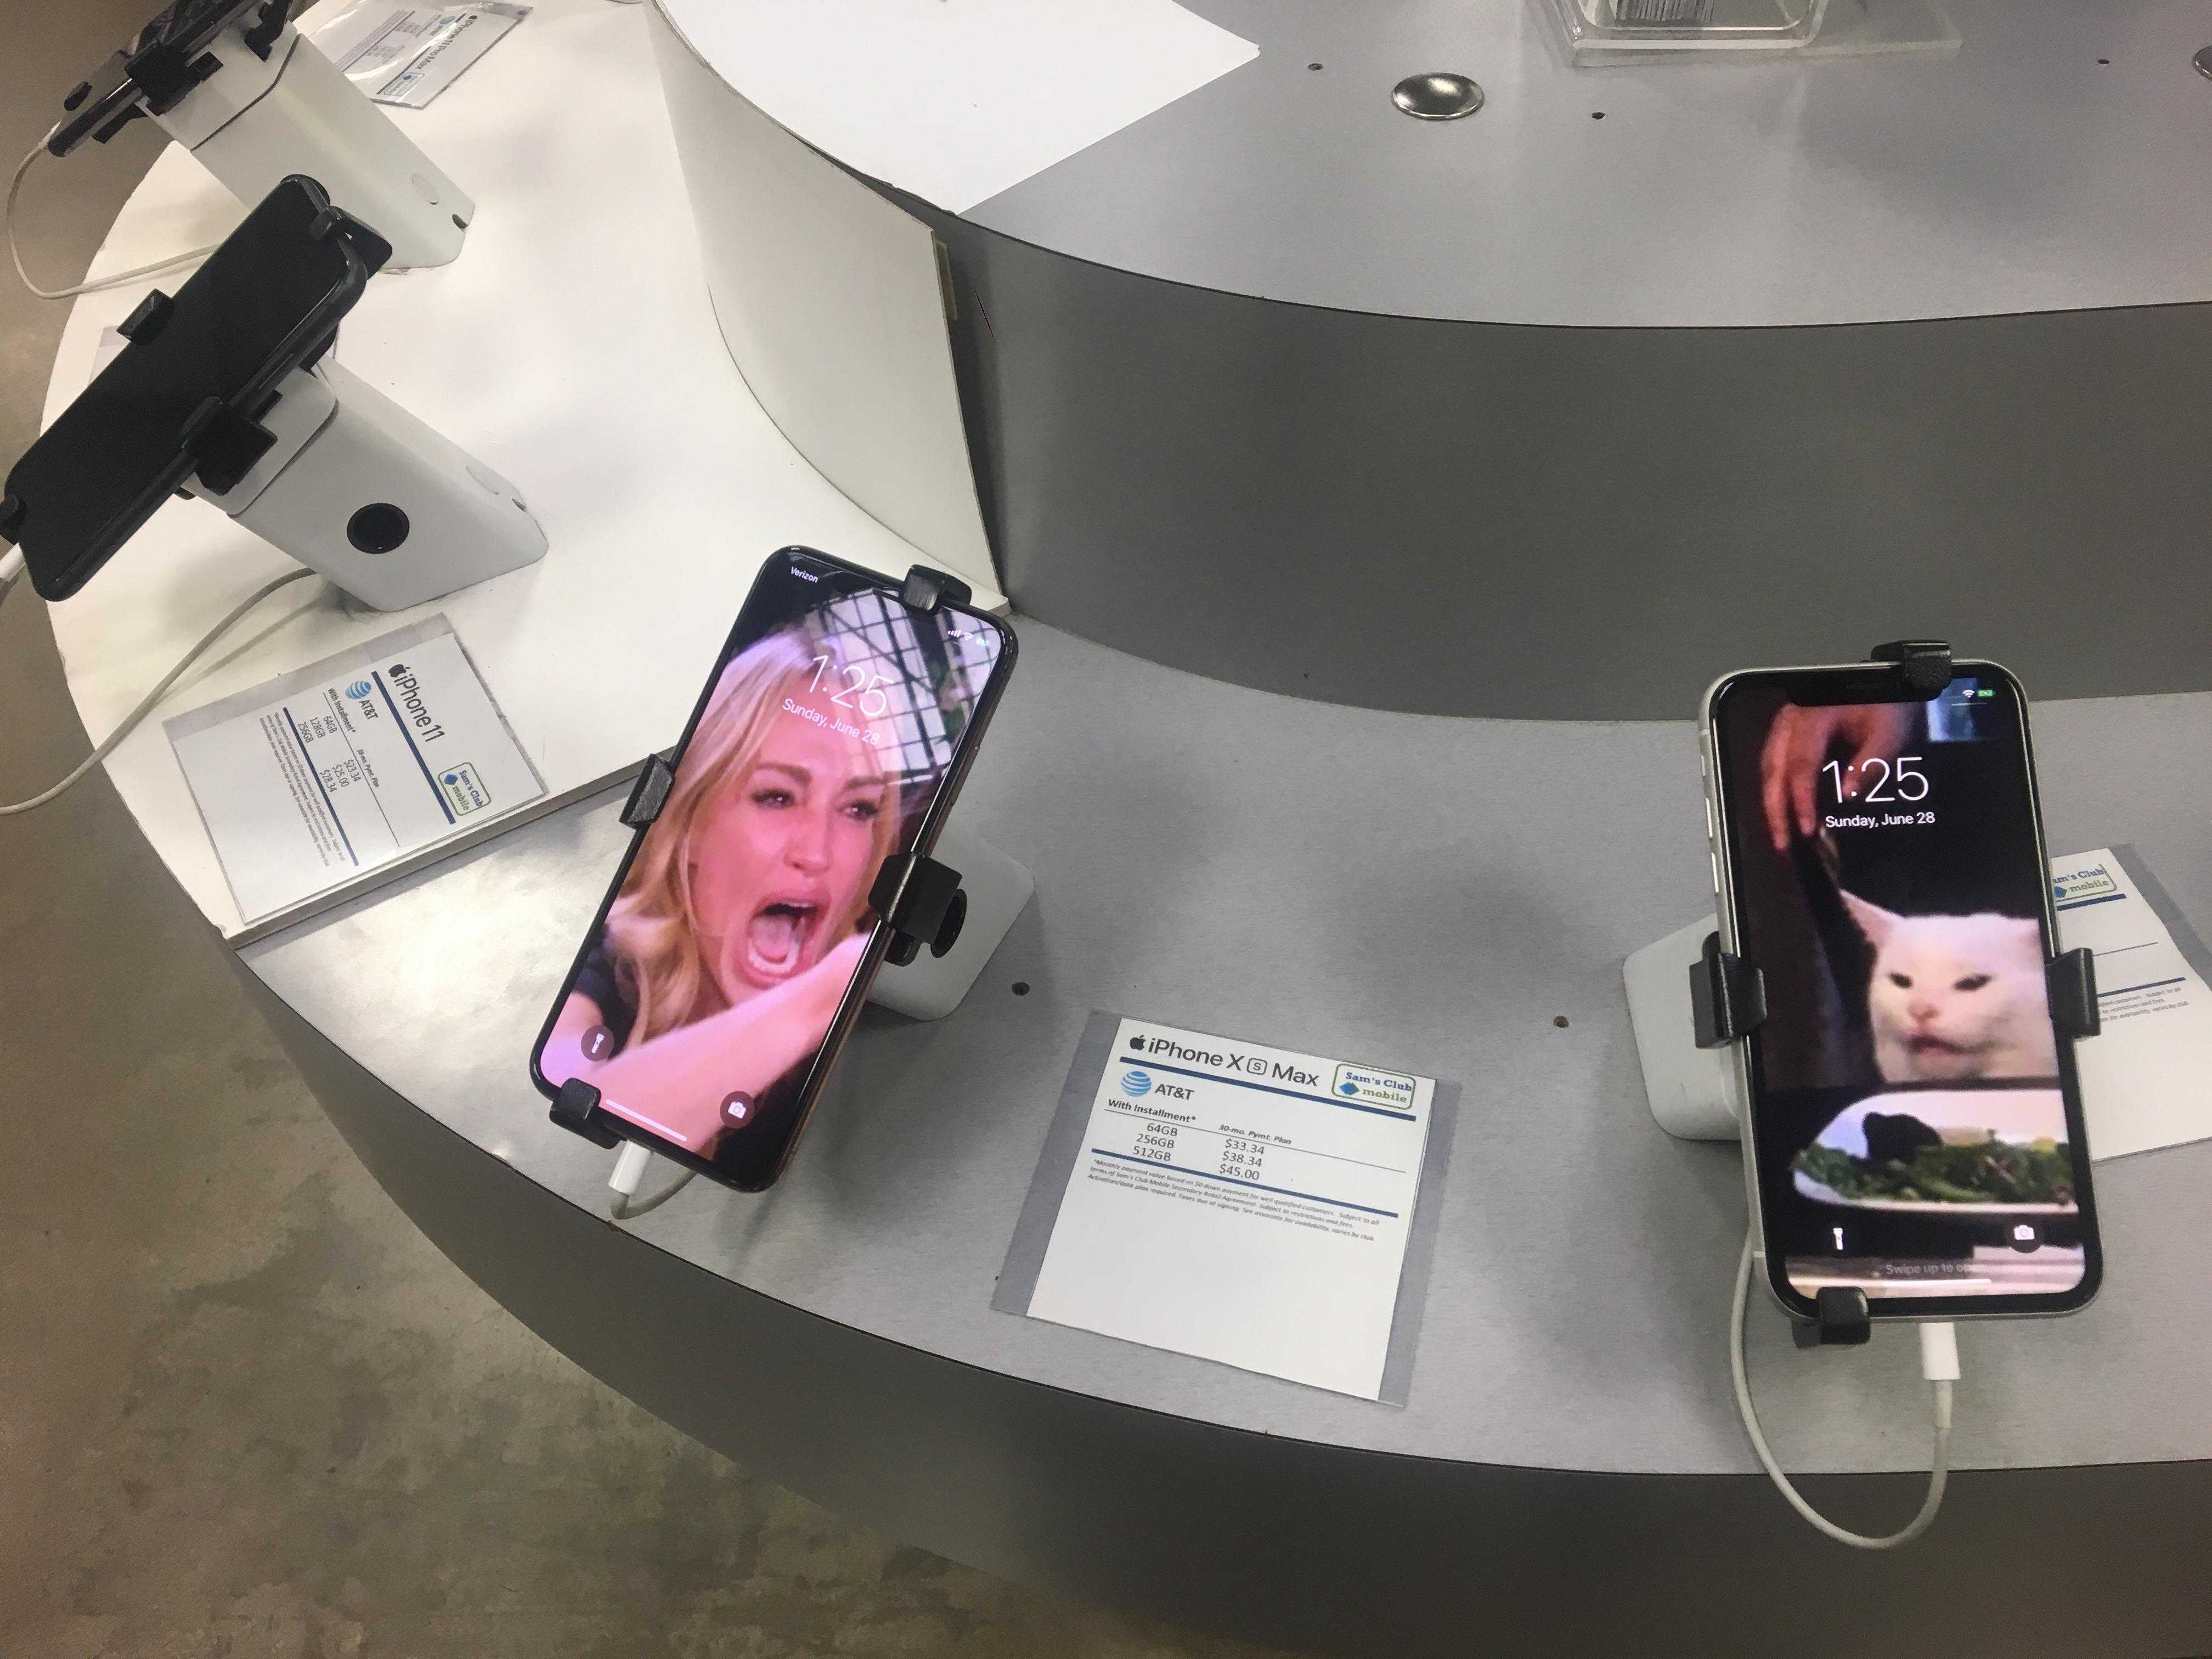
<point x="1915" y="1116"/>
<point x="706" y="1001"/>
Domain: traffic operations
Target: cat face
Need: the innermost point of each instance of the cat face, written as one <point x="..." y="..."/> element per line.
<point x="1956" y="996"/>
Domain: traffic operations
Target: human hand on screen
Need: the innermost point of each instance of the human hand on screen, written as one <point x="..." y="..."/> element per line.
<point x="677" y="1081"/>
<point x="1799" y="744"/>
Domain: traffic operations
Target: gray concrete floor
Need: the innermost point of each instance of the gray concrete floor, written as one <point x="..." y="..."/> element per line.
<point x="245" y="1408"/>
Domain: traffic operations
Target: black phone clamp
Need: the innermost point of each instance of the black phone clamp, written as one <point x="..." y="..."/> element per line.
<point x="576" y="1108"/>
<point x="1924" y="665"/>
<point x="2070" y="980"/>
<point x="923" y="903"/>
<point x="1728" y="996"/>
<point x="1728" y="1003"/>
<point x="926" y="588"/>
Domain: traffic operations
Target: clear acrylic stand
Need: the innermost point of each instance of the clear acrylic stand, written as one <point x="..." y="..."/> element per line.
<point x="1598" y="32"/>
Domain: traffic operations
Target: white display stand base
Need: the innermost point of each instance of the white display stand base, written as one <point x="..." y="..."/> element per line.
<point x="257" y="120"/>
<point x="998" y="890"/>
<point x="1692" y="1090"/>
<point x="349" y="463"/>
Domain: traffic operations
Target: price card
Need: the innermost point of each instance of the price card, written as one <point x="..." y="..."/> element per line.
<point x="1238" y="1202"/>
<point x="350" y="763"/>
<point x="2142" y="1080"/>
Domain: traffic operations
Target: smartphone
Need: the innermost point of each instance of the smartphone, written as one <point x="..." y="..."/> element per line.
<point x="1913" y="1123"/>
<point x="266" y="302"/>
<point x="732" y="952"/>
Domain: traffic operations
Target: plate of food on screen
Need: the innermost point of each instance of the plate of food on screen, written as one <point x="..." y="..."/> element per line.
<point x="1971" y="1154"/>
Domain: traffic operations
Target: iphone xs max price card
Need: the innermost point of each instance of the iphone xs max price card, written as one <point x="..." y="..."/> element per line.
<point x="1240" y="1203"/>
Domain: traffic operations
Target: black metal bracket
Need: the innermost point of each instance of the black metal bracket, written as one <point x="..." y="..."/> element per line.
<point x="576" y="1108"/>
<point x="650" y="793"/>
<point x="1924" y="665"/>
<point x="149" y="317"/>
<point x="224" y="445"/>
<point x="262" y="35"/>
<point x="1727" y="1000"/>
<point x="925" y="589"/>
<point x="1840" y="1320"/>
<point x="2071" y="977"/>
<point x="164" y="72"/>
<point x="1728" y="996"/>
<point x="923" y="902"/>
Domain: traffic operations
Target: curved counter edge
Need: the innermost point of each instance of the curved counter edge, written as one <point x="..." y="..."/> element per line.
<point x="1278" y="1540"/>
<point x="1572" y="523"/>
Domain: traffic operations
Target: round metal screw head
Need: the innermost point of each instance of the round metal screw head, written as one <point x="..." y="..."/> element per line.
<point x="1436" y="97"/>
<point x="2203" y="62"/>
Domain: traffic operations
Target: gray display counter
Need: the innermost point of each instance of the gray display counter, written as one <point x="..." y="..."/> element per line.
<point x="1436" y="891"/>
<point x="1315" y="442"/>
<point x="1283" y="387"/>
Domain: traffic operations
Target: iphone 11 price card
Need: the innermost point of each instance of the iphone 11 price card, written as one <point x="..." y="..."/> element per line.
<point x="1254" y="1205"/>
<point x="349" y="764"/>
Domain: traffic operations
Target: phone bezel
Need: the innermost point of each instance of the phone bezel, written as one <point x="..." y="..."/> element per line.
<point x="778" y="567"/>
<point x="1841" y="683"/>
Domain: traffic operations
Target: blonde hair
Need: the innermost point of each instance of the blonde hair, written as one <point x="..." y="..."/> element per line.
<point x="651" y="936"/>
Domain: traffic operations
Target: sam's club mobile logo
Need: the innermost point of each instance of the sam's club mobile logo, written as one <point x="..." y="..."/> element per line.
<point x="1135" y="1083"/>
<point x="1370" y="1087"/>
<point x="463" y="790"/>
<point x="360" y="690"/>
<point x="2091" y="881"/>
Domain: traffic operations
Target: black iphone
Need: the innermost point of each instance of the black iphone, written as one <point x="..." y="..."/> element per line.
<point x="1914" y="1123"/>
<point x="266" y="302"/>
<point x="735" y="947"/>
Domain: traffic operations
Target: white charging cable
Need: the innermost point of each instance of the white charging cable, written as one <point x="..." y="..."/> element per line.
<point x="1939" y="1364"/>
<point x="146" y="705"/>
<point x="97" y="284"/>
<point x="630" y="1165"/>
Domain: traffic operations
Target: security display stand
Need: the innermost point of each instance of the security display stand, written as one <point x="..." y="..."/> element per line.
<point x="237" y="86"/>
<point x="1692" y="1089"/>
<point x="228" y="393"/>
<point x="360" y="491"/>
<point x="993" y="890"/>
<point x="985" y="891"/>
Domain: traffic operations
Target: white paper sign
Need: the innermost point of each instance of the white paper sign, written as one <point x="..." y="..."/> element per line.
<point x="407" y="55"/>
<point x="347" y="764"/>
<point x="2147" y="1076"/>
<point x="1242" y="1204"/>
<point x="956" y="100"/>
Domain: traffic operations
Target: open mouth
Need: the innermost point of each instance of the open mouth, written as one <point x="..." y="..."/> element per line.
<point x="1932" y="1045"/>
<point x="776" y="938"/>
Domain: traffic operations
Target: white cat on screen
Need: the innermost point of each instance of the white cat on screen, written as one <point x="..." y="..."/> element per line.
<point x="1956" y="997"/>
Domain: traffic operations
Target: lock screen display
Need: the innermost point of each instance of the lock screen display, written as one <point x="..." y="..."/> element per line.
<point x="1913" y="1100"/>
<point x="709" y="988"/>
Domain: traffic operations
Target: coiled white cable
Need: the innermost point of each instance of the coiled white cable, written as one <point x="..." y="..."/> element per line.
<point x="1939" y="1364"/>
<point x="96" y="285"/>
